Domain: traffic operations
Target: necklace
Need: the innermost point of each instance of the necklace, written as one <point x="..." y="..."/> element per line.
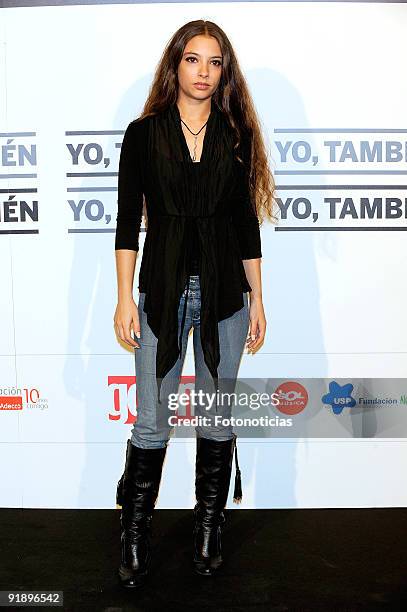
<point x="195" y="136"/>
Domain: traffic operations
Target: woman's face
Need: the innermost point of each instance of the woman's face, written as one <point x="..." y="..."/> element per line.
<point x="201" y="63"/>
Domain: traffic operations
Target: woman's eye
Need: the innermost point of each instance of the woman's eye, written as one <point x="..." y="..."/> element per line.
<point x="217" y="62"/>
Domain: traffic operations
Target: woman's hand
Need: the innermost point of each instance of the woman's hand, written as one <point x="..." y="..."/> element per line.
<point x="258" y="324"/>
<point x="126" y="319"/>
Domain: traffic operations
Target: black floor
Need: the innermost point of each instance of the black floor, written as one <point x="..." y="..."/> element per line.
<point x="275" y="560"/>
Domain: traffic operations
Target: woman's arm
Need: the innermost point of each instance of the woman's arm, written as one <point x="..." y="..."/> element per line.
<point x="258" y="322"/>
<point x="246" y="223"/>
<point x="130" y="188"/>
<point x="126" y="315"/>
<point x="129" y="215"/>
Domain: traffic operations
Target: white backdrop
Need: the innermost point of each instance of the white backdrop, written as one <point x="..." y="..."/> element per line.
<point x="71" y="78"/>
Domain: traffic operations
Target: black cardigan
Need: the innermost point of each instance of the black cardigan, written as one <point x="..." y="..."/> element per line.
<point x="210" y="204"/>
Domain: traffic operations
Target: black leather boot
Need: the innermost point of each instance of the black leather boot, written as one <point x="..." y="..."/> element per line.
<point x="212" y="479"/>
<point x="136" y="494"/>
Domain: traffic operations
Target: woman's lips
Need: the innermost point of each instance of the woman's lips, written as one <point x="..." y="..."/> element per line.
<point x="201" y="85"/>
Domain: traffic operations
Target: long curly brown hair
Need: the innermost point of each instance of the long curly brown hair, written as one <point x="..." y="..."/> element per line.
<point x="231" y="96"/>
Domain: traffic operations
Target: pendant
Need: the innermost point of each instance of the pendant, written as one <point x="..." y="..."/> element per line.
<point x="194" y="155"/>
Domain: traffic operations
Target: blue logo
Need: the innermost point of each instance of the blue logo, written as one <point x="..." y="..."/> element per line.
<point x="339" y="397"/>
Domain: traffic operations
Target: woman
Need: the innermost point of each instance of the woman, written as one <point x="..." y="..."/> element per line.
<point x="197" y="160"/>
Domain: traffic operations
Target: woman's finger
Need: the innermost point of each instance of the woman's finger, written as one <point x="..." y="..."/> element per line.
<point x="260" y="335"/>
<point x="253" y="332"/>
<point x="137" y="333"/>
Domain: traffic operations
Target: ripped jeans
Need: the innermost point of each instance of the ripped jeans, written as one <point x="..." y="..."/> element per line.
<point x="233" y="331"/>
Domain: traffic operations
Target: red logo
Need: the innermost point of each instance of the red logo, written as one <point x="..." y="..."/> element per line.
<point x="11" y="403"/>
<point x="292" y="396"/>
<point x="125" y="401"/>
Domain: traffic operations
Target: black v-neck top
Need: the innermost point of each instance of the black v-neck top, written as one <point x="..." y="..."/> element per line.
<point x="194" y="209"/>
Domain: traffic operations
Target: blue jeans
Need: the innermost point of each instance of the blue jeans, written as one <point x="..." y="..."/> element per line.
<point x="150" y="432"/>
